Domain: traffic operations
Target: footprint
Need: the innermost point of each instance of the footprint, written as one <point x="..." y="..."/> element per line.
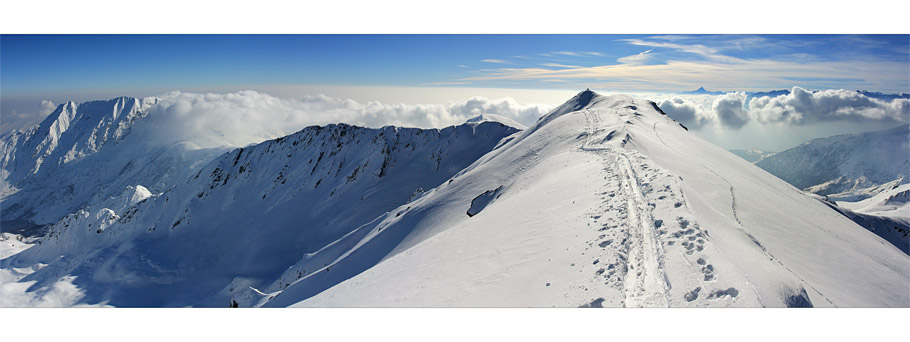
<point x="597" y="303"/>
<point x="730" y="292"/>
<point x="683" y="223"/>
<point x="693" y="295"/>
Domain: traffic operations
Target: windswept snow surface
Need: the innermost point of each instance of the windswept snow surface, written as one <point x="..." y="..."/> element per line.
<point x="606" y="202"/>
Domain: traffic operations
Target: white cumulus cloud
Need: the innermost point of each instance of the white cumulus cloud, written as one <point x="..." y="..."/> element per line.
<point x="46" y="107"/>
<point x="236" y="119"/>
<point x="686" y="112"/>
<point x="803" y="106"/>
<point x="729" y="110"/>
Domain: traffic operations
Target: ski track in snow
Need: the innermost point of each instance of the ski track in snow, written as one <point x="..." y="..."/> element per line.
<point x="647" y="286"/>
<point x="644" y="283"/>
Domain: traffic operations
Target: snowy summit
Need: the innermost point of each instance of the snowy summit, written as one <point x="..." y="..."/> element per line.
<point x="603" y="202"/>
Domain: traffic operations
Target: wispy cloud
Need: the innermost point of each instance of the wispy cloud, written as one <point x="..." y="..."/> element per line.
<point x="698" y="49"/>
<point x="498" y="61"/>
<point x="721" y="72"/>
<point x="463" y="66"/>
<point x="557" y="65"/>
<point x="573" y="53"/>
<point x="635" y="59"/>
<point x="568" y="53"/>
<point x="445" y="83"/>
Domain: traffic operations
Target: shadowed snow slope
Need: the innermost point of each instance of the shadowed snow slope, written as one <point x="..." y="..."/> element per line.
<point x="244" y="218"/>
<point x="844" y="163"/>
<point x="887" y="214"/>
<point x="604" y="202"/>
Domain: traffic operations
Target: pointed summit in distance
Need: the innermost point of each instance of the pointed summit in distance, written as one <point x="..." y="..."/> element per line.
<point x="702" y="91"/>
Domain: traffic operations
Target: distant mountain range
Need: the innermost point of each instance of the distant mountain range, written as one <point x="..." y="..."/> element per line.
<point x="775" y="93"/>
<point x="845" y="163"/>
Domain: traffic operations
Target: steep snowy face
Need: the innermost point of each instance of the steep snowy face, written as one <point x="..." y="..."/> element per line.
<point x="83" y="153"/>
<point x="243" y="219"/>
<point x="844" y="163"/>
<point x="68" y="134"/>
<point x="604" y="202"/>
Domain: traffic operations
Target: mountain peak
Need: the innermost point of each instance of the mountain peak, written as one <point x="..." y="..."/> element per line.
<point x="586" y="96"/>
<point x="580" y="101"/>
<point x="703" y="91"/>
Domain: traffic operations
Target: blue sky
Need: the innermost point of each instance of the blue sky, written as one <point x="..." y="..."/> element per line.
<point x="34" y="64"/>
<point x="39" y="72"/>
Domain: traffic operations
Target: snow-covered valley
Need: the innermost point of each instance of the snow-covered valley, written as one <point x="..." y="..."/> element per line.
<point x="604" y="202"/>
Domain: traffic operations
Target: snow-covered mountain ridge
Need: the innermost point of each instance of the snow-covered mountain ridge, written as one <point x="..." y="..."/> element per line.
<point x="844" y="163"/>
<point x="83" y="153"/>
<point x="605" y="201"/>
<point x="250" y="213"/>
<point x="68" y="134"/>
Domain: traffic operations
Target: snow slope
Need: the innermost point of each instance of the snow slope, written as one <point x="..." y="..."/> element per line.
<point x="844" y="163"/>
<point x="893" y="202"/>
<point x="83" y="153"/>
<point x="242" y="219"/>
<point x="887" y="214"/>
<point x="604" y="202"/>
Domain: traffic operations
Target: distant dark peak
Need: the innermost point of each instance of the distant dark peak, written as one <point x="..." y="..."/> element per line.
<point x="583" y="99"/>
<point x="703" y="91"/>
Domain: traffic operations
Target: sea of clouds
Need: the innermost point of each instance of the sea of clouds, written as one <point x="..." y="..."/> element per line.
<point x="801" y="107"/>
<point x="246" y="117"/>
